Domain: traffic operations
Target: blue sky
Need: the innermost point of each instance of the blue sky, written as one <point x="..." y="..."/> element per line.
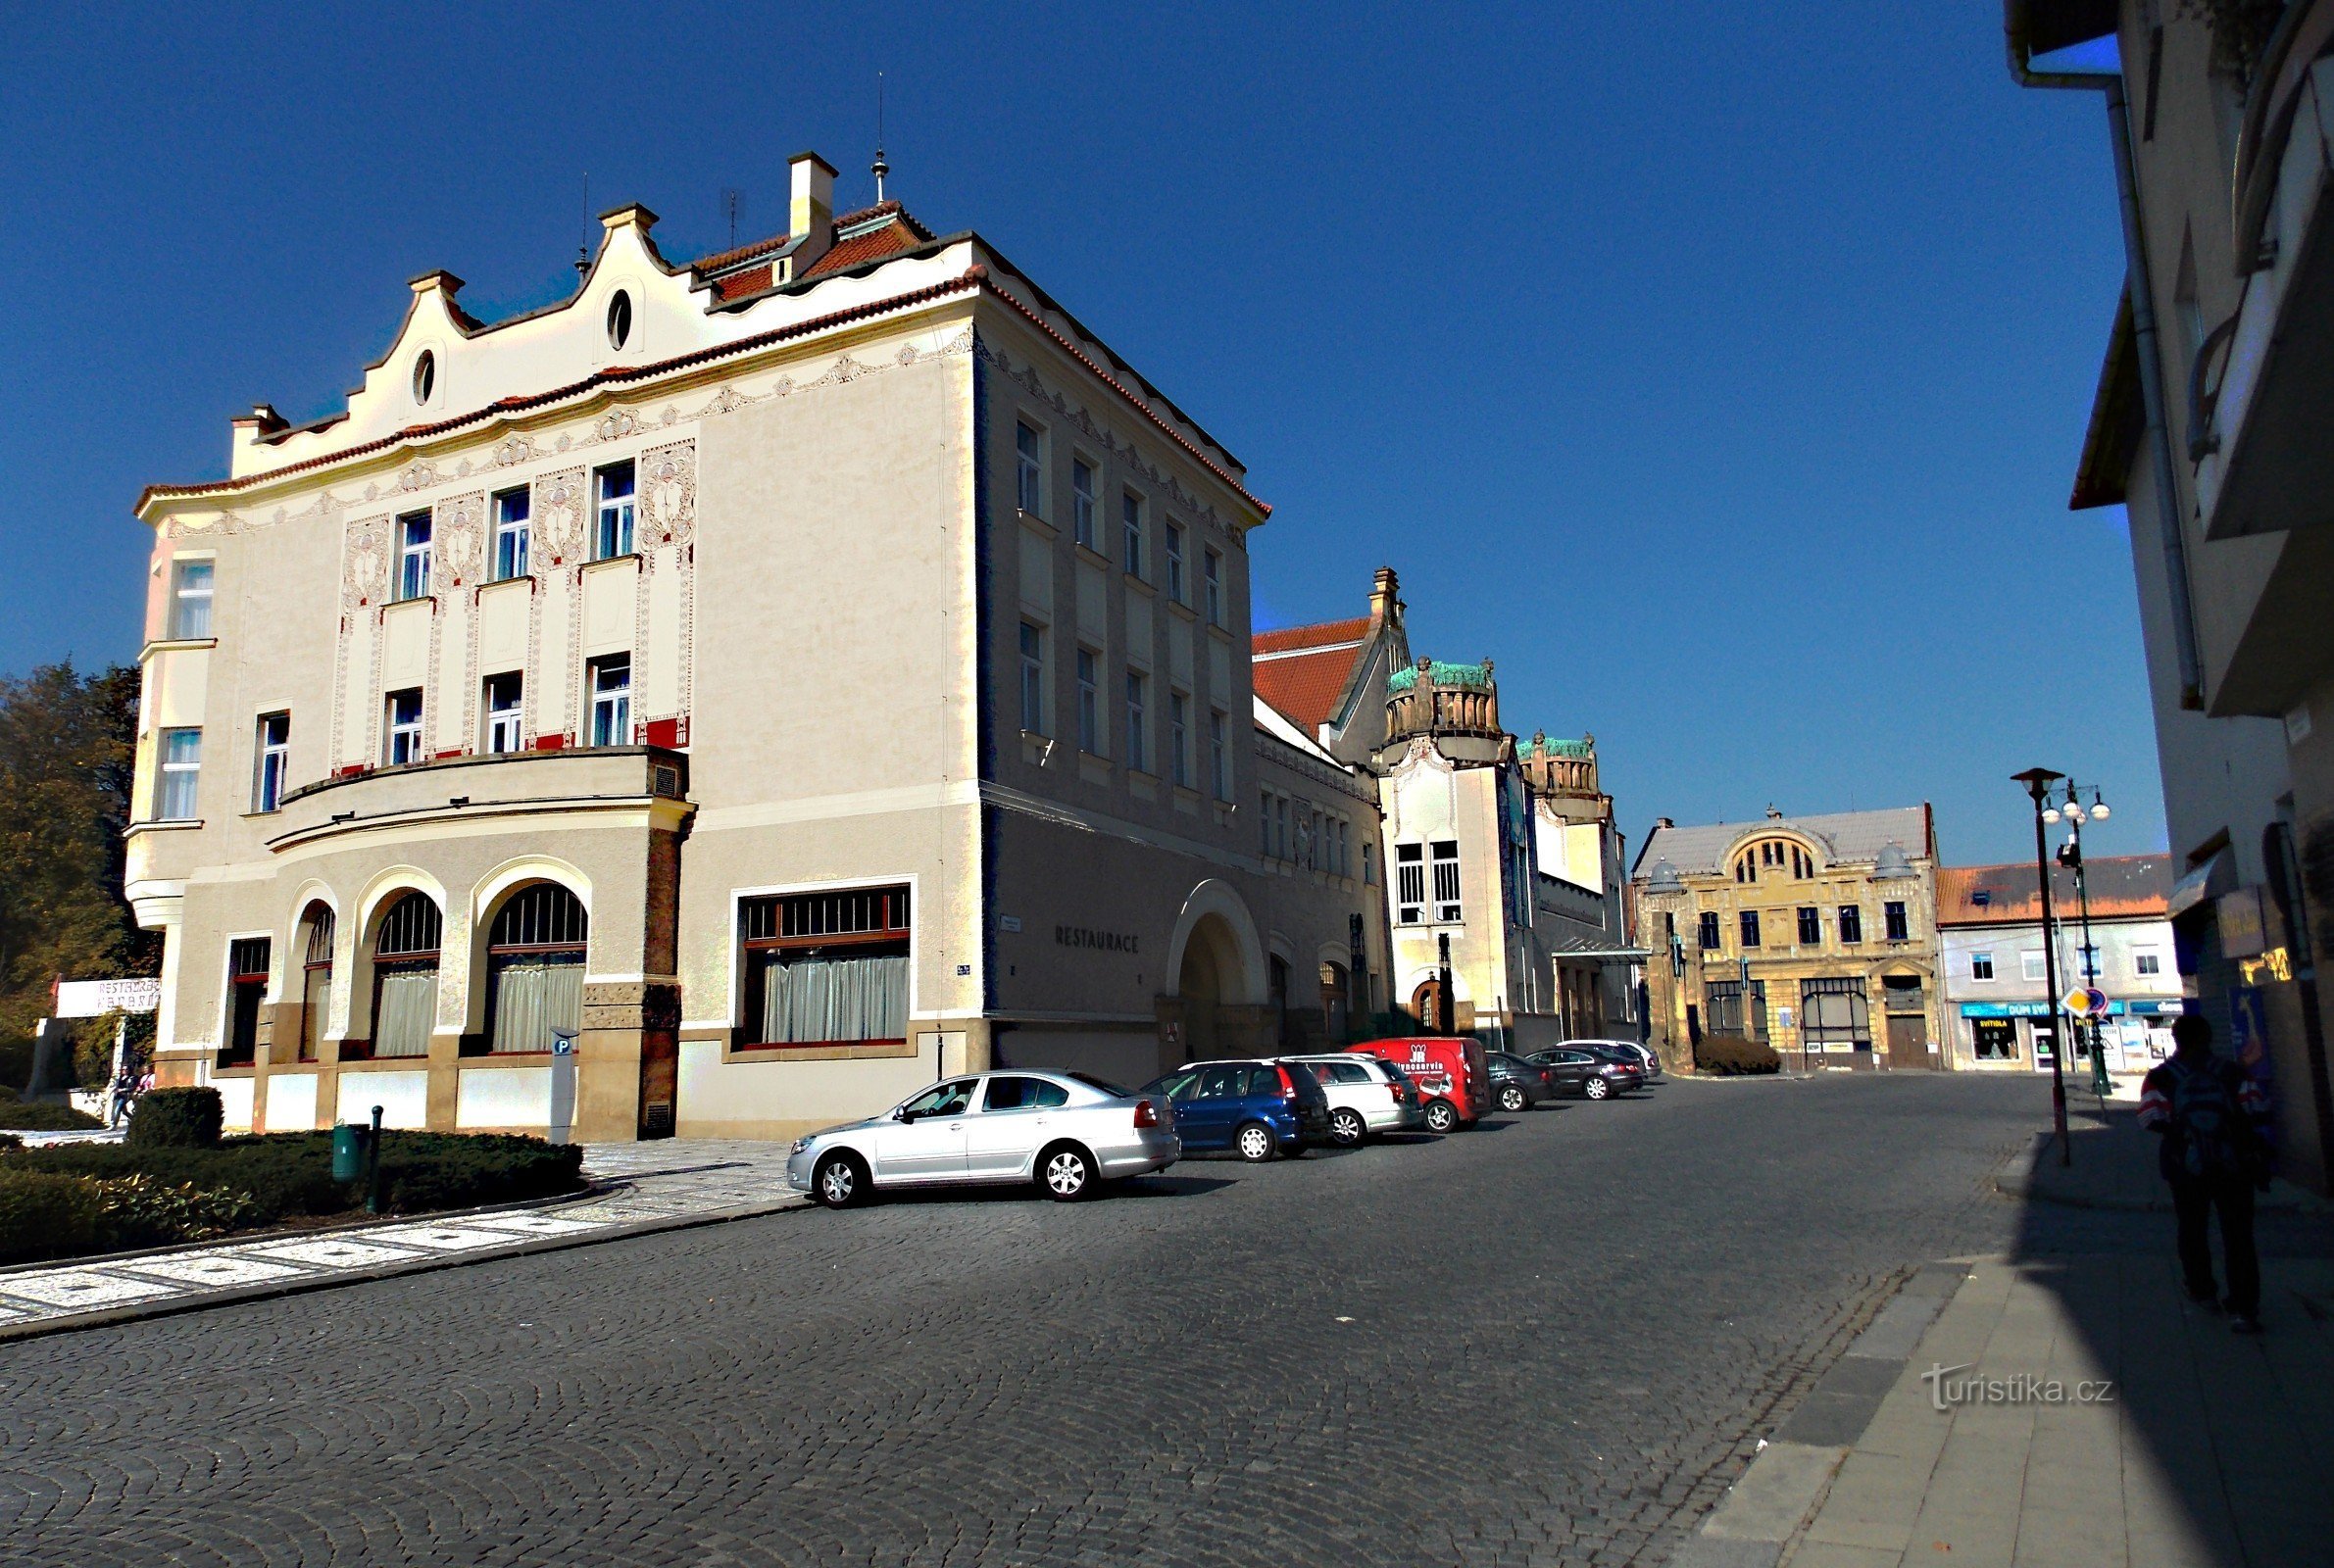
<point x="1719" y="369"/>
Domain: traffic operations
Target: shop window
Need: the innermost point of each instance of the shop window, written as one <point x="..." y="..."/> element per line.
<point x="1835" y="1013"/>
<point x="535" y="970"/>
<point x="1995" y="1039"/>
<point x="825" y="968"/>
<point x="246" y="989"/>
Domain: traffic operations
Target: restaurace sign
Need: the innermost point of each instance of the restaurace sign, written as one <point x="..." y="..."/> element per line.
<point x="1082" y="936"/>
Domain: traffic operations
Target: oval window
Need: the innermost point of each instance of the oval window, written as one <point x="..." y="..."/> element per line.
<point x="619" y="320"/>
<point x="424" y="376"/>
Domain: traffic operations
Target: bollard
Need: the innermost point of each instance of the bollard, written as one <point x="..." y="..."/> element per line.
<point x="372" y="1174"/>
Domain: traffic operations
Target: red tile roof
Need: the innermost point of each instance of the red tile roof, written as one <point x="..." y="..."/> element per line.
<point x="1290" y="638"/>
<point x="2121" y="887"/>
<point x="889" y="240"/>
<point x="1306" y="686"/>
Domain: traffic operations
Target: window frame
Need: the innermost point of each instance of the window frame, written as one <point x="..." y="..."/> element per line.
<point x="1410" y="884"/>
<point x="185" y="596"/>
<point x="1450" y="909"/>
<point x="1173" y="541"/>
<point x="169" y="792"/>
<point x="398" y="733"/>
<point x="1709" y="933"/>
<point x="1138" y="754"/>
<point x="1981" y="967"/>
<point x="417" y="557"/>
<point x="1089" y="681"/>
<point x="514" y="537"/>
<point x="1219" y="760"/>
<point x="270" y="761"/>
<point x="1031" y="643"/>
<point x="609" y="710"/>
<point x="1895" y="920"/>
<point x="1081" y="503"/>
<point x="615" y="515"/>
<point x="1028" y="465"/>
<point x="1851" y="923"/>
<point x="1746" y="924"/>
<point x="1211" y="583"/>
<point x="1811" y="926"/>
<point x="246" y="992"/>
<point x="894" y="935"/>
<point x="1179" y="737"/>
<point x="502" y="721"/>
<point x="1130" y="525"/>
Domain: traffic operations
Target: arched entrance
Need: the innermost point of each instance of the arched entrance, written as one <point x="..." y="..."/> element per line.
<point x="1216" y="963"/>
<point x="1431" y="1005"/>
<point x="1200" y="985"/>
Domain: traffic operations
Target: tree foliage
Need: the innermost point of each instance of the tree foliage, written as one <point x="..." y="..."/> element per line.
<point x="67" y="752"/>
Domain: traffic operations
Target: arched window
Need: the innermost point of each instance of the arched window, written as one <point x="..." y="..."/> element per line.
<point x="405" y="977"/>
<point x="534" y="968"/>
<point x="315" y="976"/>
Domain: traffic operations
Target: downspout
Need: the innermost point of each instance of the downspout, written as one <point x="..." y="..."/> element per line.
<point x="2145" y="343"/>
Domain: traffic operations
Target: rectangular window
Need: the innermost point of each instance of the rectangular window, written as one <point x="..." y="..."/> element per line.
<point x="1280" y="827"/>
<point x="247" y="988"/>
<point x="1851" y="922"/>
<point x="1138" y="755"/>
<point x="1899" y="929"/>
<point x="190" y="600"/>
<point x="1130" y="519"/>
<point x="1211" y="585"/>
<point x="1089" y="703"/>
<point x="825" y="968"/>
<point x="1081" y="503"/>
<point x="1728" y="1013"/>
<point x="2030" y="965"/>
<point x="1264" y="822"/>
<point x="1410" y="884"/>
<point x="271" y="755"/>
<point x="1028" y="465"/>
<point x="1175" y="562"/>
<point x="1179" y="740"/>
<point x="181" y="766"/>
<point x="403" y="710"/>
<point x="1368" y="864"/>
<point x="1747" y="919"/>
<point x="614" y="536"/>
<point x="611" y="699"/>
<point x="1811" y="926"/>
<point x="510" y="535"/>
<point x="1446" y="880"/>
<point x="506" y="699"/>
<point x="1033" y="678"/>
<point x="2147" y="961"/>
<point x="1219" y="758"/>
<point x="412" y="556"/>
<point x="1981" y="966"/>
<point x="1708" y="937"/>
<point x="1835" y="1013"/>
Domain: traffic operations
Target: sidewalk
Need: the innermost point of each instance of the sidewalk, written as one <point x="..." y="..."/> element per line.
<point x="664" y="1185"/>
<point x="2114" y="1167"/>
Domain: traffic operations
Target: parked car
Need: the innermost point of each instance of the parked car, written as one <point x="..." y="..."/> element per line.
<point x="1516" y="1084"/>
<point x="1579" y="1070"/>
<point x="1256" y="1108"/>
<point x="1366" y="1096"/>
<point x="1642" y="1055"/>
<point x="1453" y="1078"/>
<point x="1068" y="1132"/>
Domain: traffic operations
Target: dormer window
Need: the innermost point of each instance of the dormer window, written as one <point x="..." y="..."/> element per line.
<point x="424" y="376"/>
<point x="619" y="320"/>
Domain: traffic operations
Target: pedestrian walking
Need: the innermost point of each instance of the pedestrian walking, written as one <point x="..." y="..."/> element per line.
<point x="126" y="1088"/>
<point x="2209" y="1110"/>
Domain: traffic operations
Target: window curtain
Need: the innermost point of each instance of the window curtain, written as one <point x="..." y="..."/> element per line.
<point x="409" y="1006"/>
<point x="532" y="999"/>
<point x="811" y="999"/>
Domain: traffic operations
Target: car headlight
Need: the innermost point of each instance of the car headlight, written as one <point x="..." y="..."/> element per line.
<point x="800" y="1144"/>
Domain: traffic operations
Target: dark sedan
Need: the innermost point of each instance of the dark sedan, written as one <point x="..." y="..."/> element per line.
<point x="1578" y="1070"/>
<point x="1517" y="1084"/>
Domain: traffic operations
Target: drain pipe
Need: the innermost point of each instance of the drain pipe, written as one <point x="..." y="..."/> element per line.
<point x="2145" y="343"/>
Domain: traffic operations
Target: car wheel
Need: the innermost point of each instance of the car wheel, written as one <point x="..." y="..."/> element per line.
<point x="1067" y="1172"/>
<point x="1442" y="1116"/>
<point x="1511" y="1099"/>
<point x="1254" y="1140"/>
<point x="1596" y="1089"/>
<point x="840" y="1181"/>
<point x="1347" y="1129"/>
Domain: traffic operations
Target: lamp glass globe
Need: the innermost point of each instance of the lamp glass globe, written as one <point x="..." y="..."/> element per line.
<point x="2098" y="811"/>
<point x="2050" y="813"/>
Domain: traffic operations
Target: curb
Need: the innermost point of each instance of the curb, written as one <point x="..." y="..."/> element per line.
<point x="432" y="1264"/>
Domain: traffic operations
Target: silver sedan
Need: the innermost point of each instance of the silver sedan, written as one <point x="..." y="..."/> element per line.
<point x="1062" y="1130"/>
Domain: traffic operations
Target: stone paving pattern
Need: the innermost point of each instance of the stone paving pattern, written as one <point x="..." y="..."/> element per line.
<point x="1555" y="1338"/>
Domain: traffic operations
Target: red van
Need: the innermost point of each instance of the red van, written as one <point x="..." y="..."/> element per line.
<point x="1453" y="1078"/>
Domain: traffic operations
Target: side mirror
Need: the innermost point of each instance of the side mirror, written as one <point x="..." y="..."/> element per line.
<point x="903" y="1114"/>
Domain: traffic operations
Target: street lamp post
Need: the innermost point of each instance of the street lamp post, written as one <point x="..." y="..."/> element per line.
<point x="2070" y="854"/>
<point x="2038" y="782"/>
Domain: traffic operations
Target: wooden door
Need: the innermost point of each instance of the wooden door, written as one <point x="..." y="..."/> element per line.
<point x="1907" y="1041"/>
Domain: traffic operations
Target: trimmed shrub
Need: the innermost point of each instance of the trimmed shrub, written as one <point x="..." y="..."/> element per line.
<point x="44" y="1117"/>
<point x="176" y="1118"/>
<point x="47" y="1214"/>
<point x="1731" y="1054"/>
<point x="457" y="1170"/>
<point x="140" y="1212"/>
<point x="9" y="1140"/>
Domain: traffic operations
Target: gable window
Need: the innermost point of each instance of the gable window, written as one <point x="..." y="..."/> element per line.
<point x="1811" y="926"/>
<point x="1900" y="928"/>
<point x="1137" y="754"/>
<point x="1179" y="742"/>
<point x="1981" y="966"/>
<point x="1747" y="919"/>
<point x="535" y="970"/>
<point x="1851" y="922"/>
<point x="247" y="988"/>
<point x="613" y="487"/>
<point x="1130" y="519"/>
<point x="1033" y="678"/>
<point x="412" y="556"/>
<point x="1219" y="760"/>
<point x="1089" y="703"/>
<point x="1028" y="463"/>
<point x="825" y="968"/>
<point x="190" y="600"/>
<point x="611" y="699"/>
<point x="1707" y="937"/>
<point x="272" y="760"/>
<point x="1212" y="584"/>
<point x="405" y="953"/>
<point x="402" y="712"/>
<point x="1446" y="880"/>
<point x="506" y="698"/>
<point x="1410" y="884"/>
<point x="1175" y="564"/>
<point x="510" y="535"/>
<point x="1082" y="501"/>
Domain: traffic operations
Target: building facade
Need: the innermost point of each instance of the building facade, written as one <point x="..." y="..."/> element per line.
<point x="2208" y="426"/>
<point x="1999" y="1013"/>
<point x="1814" y="934"/>
<point x="449" y="751"/>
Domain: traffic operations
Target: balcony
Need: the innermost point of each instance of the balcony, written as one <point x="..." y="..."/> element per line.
<point x="620" y="781"/>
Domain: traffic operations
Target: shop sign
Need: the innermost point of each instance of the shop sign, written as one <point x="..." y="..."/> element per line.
<point x="94" y="999"/>
<point x="1083" y="936"/>
<point x="2030" y="1009"/>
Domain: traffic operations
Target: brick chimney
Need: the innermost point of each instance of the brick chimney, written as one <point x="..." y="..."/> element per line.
<point x="810" y="211"/>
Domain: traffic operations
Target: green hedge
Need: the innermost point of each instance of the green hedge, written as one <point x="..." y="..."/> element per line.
<point x="1730" y="1054"/>
<point x="43" y="1117"/>
<point x="176" y="1118"/>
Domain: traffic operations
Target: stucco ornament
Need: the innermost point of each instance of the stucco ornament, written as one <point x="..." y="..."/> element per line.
<point x="669" y="476"/>
<point x="460" y="536"/>
<point x="363" y="563"/>
<point x="559" y="502"/>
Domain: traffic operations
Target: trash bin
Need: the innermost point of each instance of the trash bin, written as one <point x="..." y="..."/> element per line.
<point x="348" y="1153"/>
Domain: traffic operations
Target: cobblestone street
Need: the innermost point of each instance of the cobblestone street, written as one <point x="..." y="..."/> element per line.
<point x="1555" y="1338"/>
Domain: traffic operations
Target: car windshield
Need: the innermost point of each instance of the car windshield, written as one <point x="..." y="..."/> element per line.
<point x="1102" y="1084"/>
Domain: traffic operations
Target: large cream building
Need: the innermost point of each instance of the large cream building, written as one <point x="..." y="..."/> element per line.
<point x="795" y="674"/>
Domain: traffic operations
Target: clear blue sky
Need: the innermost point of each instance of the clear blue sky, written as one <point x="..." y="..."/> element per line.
<point x="1719" y="369"/>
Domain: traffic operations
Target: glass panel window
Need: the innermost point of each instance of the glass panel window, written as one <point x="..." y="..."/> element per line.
<point x="825" y="968"/>
<point x="1900" y="928"/>
<point x="1211" y="585"/>
<point x="402" y="712"/>
<point x="190" y="600"/>
<point x="1368" y="864"/>
<point x="1089" y="703"/>
<point x="1175" y="564"/>
<point x="405" y="955"/>
<point x="2030" y="965"/>
<point x="2147" y="961"/>
<point x="1811" y="927"/>
<point x="272" y="752"/>
<point x="247" y="987"/>
<point x="1028" y="462"/>
<point x="1264" y="822"/>
<point x="181" y="767"/>
<point x="1219" y="760"/>
<point x="1747" y="919"/>
<point x="1130" y="519"/>
<point x="1081" y="503"/>
<point x="1446" y="880"/>
<point x="1138" y="754"/>
<point x="1707" y="938"/>
<point x="413" y="555"/>
<point x="1033" y="678"/>
<point x="1178" y="741"/>
<point x="1981" y="966"/>
<point x="611" y="699"/>
<point x="506" y="703"/>
<point x="1851" y="922"/>
<point x="1410" y="884"/>
<point x="511" y="530"/>
<point x="614" y="536"/>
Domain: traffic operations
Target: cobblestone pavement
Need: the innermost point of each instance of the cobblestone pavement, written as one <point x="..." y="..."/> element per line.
<point x="655" y="1184"/>
<point x="1554" y="1339"/>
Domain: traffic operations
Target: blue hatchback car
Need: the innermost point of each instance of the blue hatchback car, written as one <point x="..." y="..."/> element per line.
<point x="1256" y="1108"/>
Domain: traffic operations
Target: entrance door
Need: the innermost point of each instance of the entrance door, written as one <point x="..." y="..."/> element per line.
<point x="1908" y="1042"/>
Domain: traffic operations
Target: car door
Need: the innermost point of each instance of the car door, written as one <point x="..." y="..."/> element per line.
<point x="1003" y="1136"/>
<point x="1207" y="1118"/>
<point x="924" y="1140"/>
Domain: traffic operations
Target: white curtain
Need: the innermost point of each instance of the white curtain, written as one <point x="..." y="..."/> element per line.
<point x="532" y="999"/>
<point x="409" y="1006"/>
<point x="812" y="1000"/>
